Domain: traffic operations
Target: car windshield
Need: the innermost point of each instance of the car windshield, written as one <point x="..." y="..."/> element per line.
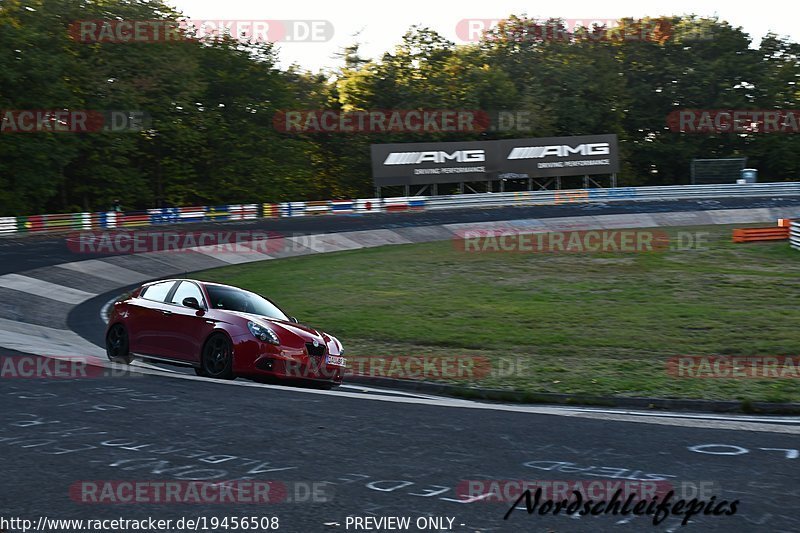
<point x="230" y="299"/>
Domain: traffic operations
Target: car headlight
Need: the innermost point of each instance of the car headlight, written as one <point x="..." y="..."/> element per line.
<point x="263" y="333"/>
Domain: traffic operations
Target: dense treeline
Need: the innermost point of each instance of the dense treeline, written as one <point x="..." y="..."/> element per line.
<point x="212" y="139"/>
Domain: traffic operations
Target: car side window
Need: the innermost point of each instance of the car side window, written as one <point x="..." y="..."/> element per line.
<point x="187" y="289"/>
<point x="158" y="291"/>
<point x="229" y="300"/>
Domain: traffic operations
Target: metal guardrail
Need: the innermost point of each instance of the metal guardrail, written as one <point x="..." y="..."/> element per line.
<point x="154" y="217"/>
<point x="565" y="196"/>
<point x="794" y="234"/>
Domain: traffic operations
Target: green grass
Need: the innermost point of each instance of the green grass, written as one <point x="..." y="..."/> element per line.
<point x="599" y="324"/>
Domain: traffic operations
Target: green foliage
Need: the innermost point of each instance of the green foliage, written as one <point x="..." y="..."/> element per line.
<point x="212" y="104"/>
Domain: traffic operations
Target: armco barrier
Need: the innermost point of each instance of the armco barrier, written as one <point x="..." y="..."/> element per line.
<point x="57" y="222"/>
<point x="244" y="212"/>
<point x="572" y="196"/>
<point x="342" y="207"/>
<point x="317" y="208"/>
<point x="293" y="209"/>
<point x="8" y="225"/>
<point x="794" y="234"/>
<point x="172" y="215"/>
<point x="192" y="214"/>
<point x="760" y="234"/>
<point x="270" y="211"/>
<point x="134" y="219"/>
<point x="369" y="205"/>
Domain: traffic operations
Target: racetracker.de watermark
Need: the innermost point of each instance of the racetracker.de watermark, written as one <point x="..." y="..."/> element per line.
<point x="73" y="121"/>
<point x="433" y="367"/>
<point x="710" y="121"/>
<point x="381" y="121"/>
<point x="170" y="31"/>
<point x="169" y="492"/>
<point x="57" y="367"/>
<point x="734" y="367"/>
<point x="596" y="29"/>
<point x="589" y="241"/>
<point x="415" y="367"/>
<point x="510" y="490"/>
<point x="121" y="242"/>
<point x="378" y="121"/>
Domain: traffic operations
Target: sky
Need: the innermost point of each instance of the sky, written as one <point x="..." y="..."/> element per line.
<point x="380" y="25"/>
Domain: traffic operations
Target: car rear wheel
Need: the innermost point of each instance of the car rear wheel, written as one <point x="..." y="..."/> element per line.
<point x="217" y="358"/>
<point x="117" y="346"/>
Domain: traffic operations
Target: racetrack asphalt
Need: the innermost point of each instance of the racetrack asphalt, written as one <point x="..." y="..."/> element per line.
<point x="382" y="456"/>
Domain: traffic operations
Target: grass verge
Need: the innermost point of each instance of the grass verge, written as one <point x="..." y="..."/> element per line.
<point x="594" y="324"/>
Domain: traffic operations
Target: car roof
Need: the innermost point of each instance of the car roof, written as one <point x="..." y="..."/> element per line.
<point x="212" y="284"/>
<point x="195" y="281"/>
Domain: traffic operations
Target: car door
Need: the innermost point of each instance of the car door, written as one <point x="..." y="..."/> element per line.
<point x="188" y="327"/>
<point x="149" y="321"/>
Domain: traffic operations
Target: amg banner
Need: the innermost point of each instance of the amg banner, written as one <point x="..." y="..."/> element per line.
<point x="452" y="162"/>
<point x="559" y="156"/>
<point x="424" y="163"/>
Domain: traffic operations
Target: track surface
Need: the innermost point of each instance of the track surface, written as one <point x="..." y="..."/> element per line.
<point x="380" y="458"/>
<point x="379" y="454"/>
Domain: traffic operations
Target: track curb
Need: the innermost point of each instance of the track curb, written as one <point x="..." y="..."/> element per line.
<point x="511" y="396"/>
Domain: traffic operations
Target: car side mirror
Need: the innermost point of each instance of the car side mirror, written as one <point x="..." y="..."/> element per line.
<point x="191" y="302"/>
<point x="293" y="320"/>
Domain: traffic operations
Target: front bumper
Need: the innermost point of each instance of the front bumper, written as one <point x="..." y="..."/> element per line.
<point x="307" y="368"/>
<point x="258" y="359"/>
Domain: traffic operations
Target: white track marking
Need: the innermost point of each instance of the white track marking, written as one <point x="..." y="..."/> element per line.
<point x="737" y="418"/>
<point x="108" y="271"/>
<point x="42" y="340"/>
<point x="231" y="257"/>
<point x="468" y="404"/>
<point x="106" y="309"/>
<point x="45" y="289"/>
<point x="326" y="242"/>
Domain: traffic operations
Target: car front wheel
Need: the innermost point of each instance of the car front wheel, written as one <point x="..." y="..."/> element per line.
<point x="217" y="358"/>
<point x="117" y="346"/>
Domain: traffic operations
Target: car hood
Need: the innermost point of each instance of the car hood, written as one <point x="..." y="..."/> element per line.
<point x="306" y="333"/>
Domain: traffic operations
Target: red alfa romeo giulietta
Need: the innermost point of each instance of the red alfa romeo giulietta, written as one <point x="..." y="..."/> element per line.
<point x="221" y="331"/>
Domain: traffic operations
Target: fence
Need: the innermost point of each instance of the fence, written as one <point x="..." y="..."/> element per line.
<point x="154" y="217"/>
<point x="794" y="233"/>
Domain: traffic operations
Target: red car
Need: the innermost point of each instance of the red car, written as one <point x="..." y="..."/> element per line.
<point x="222" y="332"/>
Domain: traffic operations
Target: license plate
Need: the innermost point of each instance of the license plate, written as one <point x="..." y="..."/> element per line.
<point x="335" y="360"/>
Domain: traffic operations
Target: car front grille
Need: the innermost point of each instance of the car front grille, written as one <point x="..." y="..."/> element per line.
<point x="318" y="351"/>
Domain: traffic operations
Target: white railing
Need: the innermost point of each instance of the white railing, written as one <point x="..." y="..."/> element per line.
<point x="566" y="196"/>
<point x="794" y="233"/>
